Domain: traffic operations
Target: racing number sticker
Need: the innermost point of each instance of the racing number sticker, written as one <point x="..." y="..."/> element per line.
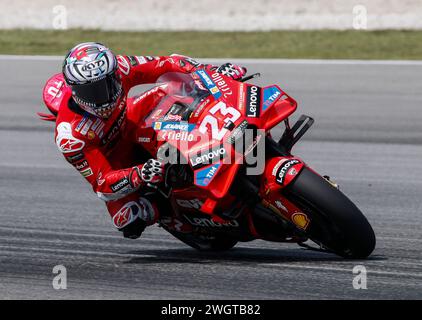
<point x="218" y="134"/>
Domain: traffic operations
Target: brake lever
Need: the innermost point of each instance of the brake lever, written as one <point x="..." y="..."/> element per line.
<point x="255" y="75"/>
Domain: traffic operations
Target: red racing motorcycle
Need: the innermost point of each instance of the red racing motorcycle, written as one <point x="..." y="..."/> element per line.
<point x="227" y="180"/>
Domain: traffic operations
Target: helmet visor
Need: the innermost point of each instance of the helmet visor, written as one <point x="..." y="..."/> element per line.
<point x="99" y="93"/>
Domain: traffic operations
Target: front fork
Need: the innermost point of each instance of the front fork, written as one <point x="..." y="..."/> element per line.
<point x="279" y="173"/>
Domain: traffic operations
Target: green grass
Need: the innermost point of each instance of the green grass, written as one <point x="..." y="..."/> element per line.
<point x="275" y="44"/>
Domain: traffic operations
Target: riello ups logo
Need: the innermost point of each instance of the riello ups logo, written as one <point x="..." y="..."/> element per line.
<point x="253" y="101"/>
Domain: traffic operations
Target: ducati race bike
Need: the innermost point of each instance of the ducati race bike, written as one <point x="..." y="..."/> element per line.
<point x="209" y="128"/>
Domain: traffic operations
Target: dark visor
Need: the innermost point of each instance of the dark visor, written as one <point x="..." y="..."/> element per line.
<point x="98" y="92"/>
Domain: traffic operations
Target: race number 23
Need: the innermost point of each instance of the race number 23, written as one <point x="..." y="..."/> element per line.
<point x="211" y="122"/>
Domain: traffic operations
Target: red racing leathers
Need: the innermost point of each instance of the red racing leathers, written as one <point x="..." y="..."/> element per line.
<point x="102" y="149"/>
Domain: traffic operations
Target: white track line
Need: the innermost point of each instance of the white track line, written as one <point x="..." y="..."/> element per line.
<point x="321" y="268"/>
<point x="252" y="61"/>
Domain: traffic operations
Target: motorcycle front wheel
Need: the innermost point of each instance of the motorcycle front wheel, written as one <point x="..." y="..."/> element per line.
<point x="335" y="222"/>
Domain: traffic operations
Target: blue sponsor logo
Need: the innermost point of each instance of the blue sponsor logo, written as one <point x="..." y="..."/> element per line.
<point x="177" y="126"/>
<point x="81" y="123"/>
<point x="271" y="95"/>
<point x="209" y="83"/>
<point x="203" y="177"/>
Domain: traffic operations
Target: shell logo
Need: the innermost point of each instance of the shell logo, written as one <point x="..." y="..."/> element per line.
<point x="301" y="220"/>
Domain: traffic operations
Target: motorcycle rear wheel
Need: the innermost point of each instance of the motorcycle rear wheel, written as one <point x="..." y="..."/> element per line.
<point x="336" y="223"/>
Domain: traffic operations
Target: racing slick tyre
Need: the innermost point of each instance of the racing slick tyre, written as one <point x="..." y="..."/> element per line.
<point x="214" y="243"/>
<point x="335" y="222"/>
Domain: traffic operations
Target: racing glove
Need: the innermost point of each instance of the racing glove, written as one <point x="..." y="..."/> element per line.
<point x="151" y="172"/>
<point x="231" y="70"/>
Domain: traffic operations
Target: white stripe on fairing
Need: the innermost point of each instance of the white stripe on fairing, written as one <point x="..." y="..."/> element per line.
<point x="255" y="61"/>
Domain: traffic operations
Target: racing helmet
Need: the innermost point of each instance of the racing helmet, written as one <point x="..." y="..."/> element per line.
<point x="90" y="69"/>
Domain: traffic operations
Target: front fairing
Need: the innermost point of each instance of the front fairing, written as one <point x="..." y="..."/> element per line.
<point x="208" y="110"/>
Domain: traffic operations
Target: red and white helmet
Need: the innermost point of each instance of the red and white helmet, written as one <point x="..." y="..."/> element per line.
<point x="90" y="70"/>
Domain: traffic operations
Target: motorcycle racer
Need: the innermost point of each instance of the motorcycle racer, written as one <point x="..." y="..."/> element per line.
<point x="96" y="121"/>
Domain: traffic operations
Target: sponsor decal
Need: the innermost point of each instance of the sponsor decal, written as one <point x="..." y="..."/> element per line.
<point x="175" y="136"/>
<point x="190" y="204"/>
<point x="209" y="83"/>
<point x="120" y="185"/>
<point x="144" y="139"/>
<point x="301" y="220"/>
<point x="146" y="94"/>
<point x="157" y="125"/>
<point x="221" y="84"/>
<point x="123" y="65"/>
<point x="238" y="132"/>
<point x="65" y="141"/>
<point x="205" y="78"/>
<point x="173" y="117"/>
<point x="55" y="91"/>
<point x="141" y="60"/>
<point x="282" y="171"/>
<point x="75" y="158"/>
<point x="86" y="173"/>
<point x="253" y="101"/>
<point x="215" y="92"/>
<point x="201" y="107"/>
<point x="150" y="58"/>
<point x="204" y="157"/>
<point x="94" y="68"/>
<point x="98" y="126"/>
<point x="91" y="134"/>
<point x="182" y="126"/>
<point x="86" y="127"/>
<point x="81" y="123"/>
<point x="271" y="95"/>
<point x="81" y="165"/>
<point x="292" y="172"/>
<point x="209" y="223"/>
<point x="115" y="129"/>
<point x="204" y="176"/>
<point x="241" y="97"/>
<point x="133" y="61"/>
